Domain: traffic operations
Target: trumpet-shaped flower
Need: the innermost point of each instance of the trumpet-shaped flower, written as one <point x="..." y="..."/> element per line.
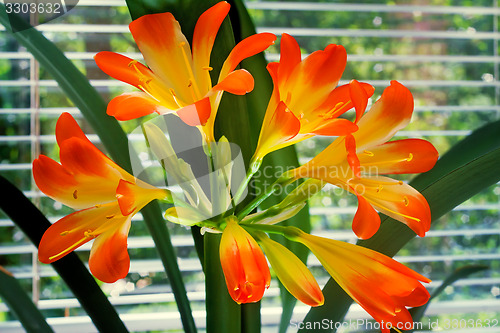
<point x="177" y="78"/>
<point x="379" y="284"/>
<point x="305" y="101"/>
<point x="292" y="272"/>
<point x="243" y="263"/>
<point x="355" y="162"/>
<point x="106" y="195"/>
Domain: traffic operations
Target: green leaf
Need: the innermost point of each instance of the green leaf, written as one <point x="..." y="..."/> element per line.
<point x="469" y="167"/>
<point x="76" y="86"/>
<point x="21" y="305"/>
<point x="460" y="273"/>
<point x="280" y="160"/>
<point x="70" y="268"/>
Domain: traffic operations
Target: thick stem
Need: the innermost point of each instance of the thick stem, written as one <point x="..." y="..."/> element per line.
<point x="223" y="314"/>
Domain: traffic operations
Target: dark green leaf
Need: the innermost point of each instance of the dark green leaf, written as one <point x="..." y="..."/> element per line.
<point x="21" y="305"/>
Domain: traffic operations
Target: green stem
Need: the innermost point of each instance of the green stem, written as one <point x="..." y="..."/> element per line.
<point x="250" y="318"/>
<point x="21" y="305"/>
<point x="161" y="237"/>
<point x="258" y="200"/>
<point x="253" y="168"/>
<point x="272" y="229"/>
<point x="223" y="314"/>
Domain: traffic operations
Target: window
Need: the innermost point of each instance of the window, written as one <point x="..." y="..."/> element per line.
<point x="445" y="51"/>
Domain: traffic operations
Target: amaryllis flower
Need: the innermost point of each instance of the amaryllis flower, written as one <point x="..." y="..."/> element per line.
<point x="305" y="101"/>
<point x="177" y="78"/>
<point x="243" y="263"/>
<point x="379" y="284"/>
<point x="106" y="195"/>
<point x="356" y="163"/>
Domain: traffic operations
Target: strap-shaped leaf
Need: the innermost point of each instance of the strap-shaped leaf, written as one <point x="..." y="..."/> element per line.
<point x="469" y="167"/>
<point x="78" y="89"/>
<point x="21" y="305"/>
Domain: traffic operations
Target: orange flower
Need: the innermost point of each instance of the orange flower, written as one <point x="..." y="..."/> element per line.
<point x="354" y="162"/>
<point x="243" y="263"/>
<point x="305" y="101"/>
<point x="107" y="195"/>
<point x="177" y="79"/>
<point x="381" y="285"/>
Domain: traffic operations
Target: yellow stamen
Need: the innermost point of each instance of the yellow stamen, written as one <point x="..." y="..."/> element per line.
<point x="197" y="94"/>
<point x="333" y="112"/>
<point x="407" y="159"/>
<point x="69" y="249"/>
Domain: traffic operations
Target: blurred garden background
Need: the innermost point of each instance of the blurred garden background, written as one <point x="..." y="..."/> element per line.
<point x="445" y="51"/>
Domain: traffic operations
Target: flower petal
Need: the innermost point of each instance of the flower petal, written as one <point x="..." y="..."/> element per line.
<point x="402" y="156"/>
<point x="120" y="67"/>
<point x="388" y="115"/>
<point x="67" y="128"/>
<point x="133" y="105"/>
<point x="133" y="196"/>
<point x="397" y="200"/>
<point x="73" y="231"/>
<point x="314" y="78"/>
<point x="54" y="180"/>
<point x="109" y="260"/>
<point x="335" y="127"/>
<point x="366" y="220"/>
<point x="246" y="48"/>
<point x="204" y="34"/>
<point x="292" y="272"/>
<point x="238" y="82"/>
<point x="172" y="45"/>
<point x="359" y="98"/>
<point x="196" y="114"/>
<point x="290" y="56"/>
<point x="282" y="126"/>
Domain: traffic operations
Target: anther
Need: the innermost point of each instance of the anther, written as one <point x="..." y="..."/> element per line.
<point x="132" y="63"/>
<point x="207" y="68"/>
<point x="75" y="194"/>
<point x="379" y="188"/>
<point x="109" y="217"/>
<point x="406" y="201"/>
<point x="172" y="92"/>
<point x="88" y="234"/>
<point x="369" y="153"/>
<point x="410" y="157"/>
<point x="190" y="84"/>
<point x="181" y="44"/>
<point x="64" y="233"/>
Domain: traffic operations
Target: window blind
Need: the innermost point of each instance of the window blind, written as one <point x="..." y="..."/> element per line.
<point x="445" y="52"/>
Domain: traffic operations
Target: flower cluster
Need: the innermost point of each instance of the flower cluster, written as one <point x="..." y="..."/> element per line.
<point x="306" y="101"/>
